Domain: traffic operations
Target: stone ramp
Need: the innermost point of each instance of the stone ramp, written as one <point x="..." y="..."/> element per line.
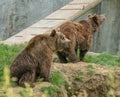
<point x="71" y="11"/>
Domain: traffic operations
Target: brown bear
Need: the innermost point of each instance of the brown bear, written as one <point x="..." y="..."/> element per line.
<point x="81" y="35"/>
<point x="35" y="59"/>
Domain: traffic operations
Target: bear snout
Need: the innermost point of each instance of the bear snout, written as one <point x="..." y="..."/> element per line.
<point x="68" y="41"/>
<point x="103" y="17"/>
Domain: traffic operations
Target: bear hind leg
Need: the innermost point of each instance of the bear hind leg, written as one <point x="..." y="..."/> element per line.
<point x="27" y="77"/>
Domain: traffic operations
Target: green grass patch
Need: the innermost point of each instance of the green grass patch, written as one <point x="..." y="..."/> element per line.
<point x="104" y="59"/>
<point x="50" y="91"/>
<point x="57" y="81"/>
<point x="7" y="55"/>
<point x="27" y="91"/>
<point x="90" y="70"/>
<point x="79" y="77"/>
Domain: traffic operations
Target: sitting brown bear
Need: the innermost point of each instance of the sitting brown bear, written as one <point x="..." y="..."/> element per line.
<point x="81" y="35"/>
<point x="35" y="60"/>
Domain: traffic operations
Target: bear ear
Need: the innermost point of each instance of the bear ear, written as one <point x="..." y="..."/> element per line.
<point x="95" y="19"/>
<point x="90" y="16"/>
<point x="53" y="33"/>
<point x="94" y="15"/>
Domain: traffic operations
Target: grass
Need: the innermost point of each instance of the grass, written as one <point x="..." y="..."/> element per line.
<point x="50" y="91"/>
<point x="79" y="77"/>
<point x="7" y="55"/>
<point x="27" y="92"/>
<point x="57" y="81"/>
<point x="104" y="59"/>
<point x="112" y="83"/>
<point x="90" y="70"/>
<point x="6" y="90"/>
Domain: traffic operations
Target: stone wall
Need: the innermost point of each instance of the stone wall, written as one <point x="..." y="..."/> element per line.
<point x="16" y="15"/>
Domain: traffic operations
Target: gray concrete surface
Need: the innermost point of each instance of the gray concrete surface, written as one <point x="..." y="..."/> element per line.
<point x="16" y="15"/>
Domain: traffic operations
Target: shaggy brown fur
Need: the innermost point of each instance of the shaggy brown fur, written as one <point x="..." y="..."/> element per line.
<point x="35" y="60"/>
<point x="81" y="35"/>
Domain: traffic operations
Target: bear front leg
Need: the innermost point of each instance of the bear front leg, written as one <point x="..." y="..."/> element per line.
<point x="62" y="57"/>
<point x="28" y="77"/>
<point x="45" y="71"/>
<point x="82" y="54"/>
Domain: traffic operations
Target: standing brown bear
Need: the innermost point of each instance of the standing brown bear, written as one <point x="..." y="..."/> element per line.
<point x="81" y="35"/>
<point x="35" y="60"/>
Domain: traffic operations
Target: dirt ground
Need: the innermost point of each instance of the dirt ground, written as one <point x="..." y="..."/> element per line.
<point x="84" y="80"/>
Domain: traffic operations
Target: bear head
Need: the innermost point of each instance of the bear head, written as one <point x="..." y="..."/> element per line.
<point x="59" y="39"/>
<point x="96" y="20"/>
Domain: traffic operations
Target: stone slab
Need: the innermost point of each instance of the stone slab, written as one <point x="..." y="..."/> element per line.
<point x="17" y="40"/>
<point x="31" y="31"/>
<point x="62" y="14"/>
<point x="81" y="1"/>
<point x="47" y="23"/>
<point x="25" y="35"/>
<point x="74" y="7"/>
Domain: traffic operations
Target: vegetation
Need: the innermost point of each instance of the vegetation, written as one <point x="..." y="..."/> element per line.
<point x="8" y="53"/>
<point x="27" y="92"/>
<point x="104" y="59"/>
<point x="112" y="84"/>
<point x="57" y="81"/>
<point x="6" y="90"/>
<point x="50" y="91"/>
<point x="90" y="70"/>
<point x="79" y="77"/>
